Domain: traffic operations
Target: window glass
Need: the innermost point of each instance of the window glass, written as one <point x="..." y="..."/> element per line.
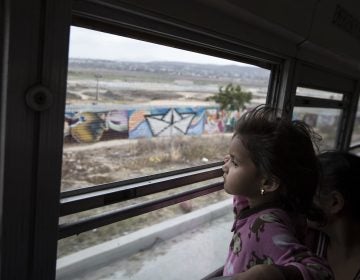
<point x="135" y="108"/>
<point x="300" y="91"/>
<point x="324" y="121"/>
<point x="74" y="243"/>
<point x="123" y="249"/>
<point x="355" y="138"/>
<point x="153" y="244"/>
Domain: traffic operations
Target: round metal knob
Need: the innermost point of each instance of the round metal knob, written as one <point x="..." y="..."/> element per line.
<point x="39" y="98"/>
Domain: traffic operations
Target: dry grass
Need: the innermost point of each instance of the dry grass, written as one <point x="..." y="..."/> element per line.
<point x="139" y="158"/>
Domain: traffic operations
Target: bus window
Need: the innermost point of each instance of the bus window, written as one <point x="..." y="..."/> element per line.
<point x="324" y="121"/>
<point x="135" y="108"/>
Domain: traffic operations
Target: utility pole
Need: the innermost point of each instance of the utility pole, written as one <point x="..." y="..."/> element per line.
<point x="97" y="76"/>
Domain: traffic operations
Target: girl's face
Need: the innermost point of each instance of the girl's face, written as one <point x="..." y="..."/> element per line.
<point x="240" y="174"/>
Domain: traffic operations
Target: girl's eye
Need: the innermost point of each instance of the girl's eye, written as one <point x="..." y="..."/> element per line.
<point x="234" y="163"/>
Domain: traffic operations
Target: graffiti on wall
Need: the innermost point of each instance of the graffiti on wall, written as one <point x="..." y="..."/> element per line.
<point x="92" y="126"/>
<point x="87" y="127"/>
<point x="165" y="122"/>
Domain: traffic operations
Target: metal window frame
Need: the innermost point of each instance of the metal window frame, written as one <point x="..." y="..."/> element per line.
<point x="103" y="195"/>
<point x="315" y="102"/>
<point x="320" y="78"/>
<point x="282" y="89"/>
<point x="347" y="121"/>
<point x="34" y="55"/>
<point x="68" y="229"/>
<point x="122" y="19"/>
<point x="149" y="178"/>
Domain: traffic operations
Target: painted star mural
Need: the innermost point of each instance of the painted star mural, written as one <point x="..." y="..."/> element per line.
<point x="170" y="123"/>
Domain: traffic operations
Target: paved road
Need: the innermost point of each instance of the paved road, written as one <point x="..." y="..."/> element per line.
<point x="191" y="255"/>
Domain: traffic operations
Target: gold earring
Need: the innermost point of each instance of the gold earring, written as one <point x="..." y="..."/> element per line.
<point x="262" y="191"/>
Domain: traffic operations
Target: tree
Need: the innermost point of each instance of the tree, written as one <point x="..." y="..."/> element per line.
<point x="232" y="97"/>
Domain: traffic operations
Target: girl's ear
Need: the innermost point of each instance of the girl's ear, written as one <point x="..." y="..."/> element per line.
<point x="270" y="184"/>
<point x="336" y="202"/>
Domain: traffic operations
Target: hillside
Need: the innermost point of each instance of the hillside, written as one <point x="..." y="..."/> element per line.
<point x="122" y="82"/>
<point x="194" y="71"/>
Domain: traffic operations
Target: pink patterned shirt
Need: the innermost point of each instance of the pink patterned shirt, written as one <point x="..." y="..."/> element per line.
<point x="267" y="235"/>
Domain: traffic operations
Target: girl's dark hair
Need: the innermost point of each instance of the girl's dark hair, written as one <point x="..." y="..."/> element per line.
<point x="341" y="172"/>
<point x="283" y="150"/>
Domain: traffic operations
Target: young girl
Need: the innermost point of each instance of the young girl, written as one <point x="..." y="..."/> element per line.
<point x="272" y="171"/>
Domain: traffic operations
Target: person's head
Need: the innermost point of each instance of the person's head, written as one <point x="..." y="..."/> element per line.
<point x="339" y="189"/>
<point x="271" y="156"/>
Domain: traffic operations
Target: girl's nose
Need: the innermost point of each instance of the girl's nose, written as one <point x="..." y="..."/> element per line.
<point x="226" y="160"/>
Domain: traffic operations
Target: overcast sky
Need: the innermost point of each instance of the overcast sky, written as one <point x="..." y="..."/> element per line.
<point x="85" y="43"/>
